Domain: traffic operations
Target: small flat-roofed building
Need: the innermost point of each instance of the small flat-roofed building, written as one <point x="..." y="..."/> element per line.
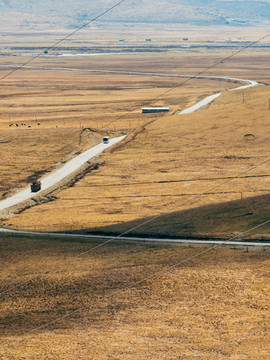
<point x="154" y="109"/>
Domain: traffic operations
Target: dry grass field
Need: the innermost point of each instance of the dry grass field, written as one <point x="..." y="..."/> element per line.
<point x="213" y="307"/>
<point x="63" y="299"/>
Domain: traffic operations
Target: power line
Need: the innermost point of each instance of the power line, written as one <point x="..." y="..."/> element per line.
<point x="156" y="217"/>
<point x="153" y="99"/>
<point x="167" y="91"/>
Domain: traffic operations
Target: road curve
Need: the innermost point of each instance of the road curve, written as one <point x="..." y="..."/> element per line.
<point x="58" y="175"/>
<point x="137" y="239"/>
<point x="211" y="98"/>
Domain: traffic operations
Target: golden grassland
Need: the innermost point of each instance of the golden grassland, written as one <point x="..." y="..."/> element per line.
<point x="166" y="168"/>
<point x="55" y="305"/>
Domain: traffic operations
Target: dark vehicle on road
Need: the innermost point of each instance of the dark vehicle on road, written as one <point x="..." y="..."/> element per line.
<point x="35" y="186"/>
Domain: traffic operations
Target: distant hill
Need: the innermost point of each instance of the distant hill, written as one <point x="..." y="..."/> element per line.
<point x="70" y="13"/>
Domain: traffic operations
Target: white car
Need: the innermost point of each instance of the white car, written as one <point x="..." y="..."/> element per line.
<point x="106" y="140"/>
